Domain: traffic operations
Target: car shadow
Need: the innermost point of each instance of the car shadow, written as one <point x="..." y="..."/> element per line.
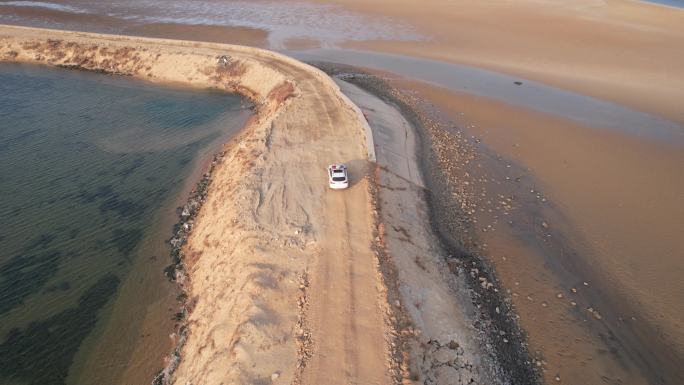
<point x="358" y="169"/>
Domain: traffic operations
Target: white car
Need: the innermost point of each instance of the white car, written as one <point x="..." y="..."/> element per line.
<point x="337" y="176"/>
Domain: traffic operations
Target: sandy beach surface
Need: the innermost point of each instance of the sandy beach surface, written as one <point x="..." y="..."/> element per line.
<point x="561" y="244"/>
<point x="576" y="208"/>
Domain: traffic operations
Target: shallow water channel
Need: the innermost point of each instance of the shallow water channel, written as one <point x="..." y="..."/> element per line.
<point x="91" y="170"/>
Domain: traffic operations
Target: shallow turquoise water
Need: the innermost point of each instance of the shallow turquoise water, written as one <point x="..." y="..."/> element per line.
<point x="86" y="162"/>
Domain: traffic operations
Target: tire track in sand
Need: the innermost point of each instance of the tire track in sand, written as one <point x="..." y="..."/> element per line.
<point x="345" y="316"/>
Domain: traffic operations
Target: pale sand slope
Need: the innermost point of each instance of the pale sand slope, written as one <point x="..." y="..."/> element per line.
<point x="270" y="234"/>
<point x="624" y="51"/>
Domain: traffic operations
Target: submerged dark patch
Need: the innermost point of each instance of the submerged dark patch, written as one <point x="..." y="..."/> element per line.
<point x="100" y="192"/>
<point x="23" y="276"/>
<point x="184" y="161"/>
<point x="136" y="164"/>
<point x="127" y="208"/>
<point x="62" y="286"/>
<point x="125" y="240"/>
<point x="43" y="352"/>
<point x="42" y="241"/>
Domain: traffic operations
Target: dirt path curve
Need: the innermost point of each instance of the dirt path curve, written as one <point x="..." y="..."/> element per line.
<point x="285" y="224"/>
<point x="344" y="312"/>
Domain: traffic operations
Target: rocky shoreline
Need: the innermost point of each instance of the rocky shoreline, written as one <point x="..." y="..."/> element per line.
<point x="176" y="271"/>
<point x="440" y="152"/>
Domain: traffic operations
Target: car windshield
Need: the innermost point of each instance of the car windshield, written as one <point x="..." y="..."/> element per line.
<point x="338" y="179"/>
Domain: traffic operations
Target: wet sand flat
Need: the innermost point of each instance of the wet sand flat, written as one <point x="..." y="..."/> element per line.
<point x="252" y="37"/>
<point x="103" y="23"/>
<point x="615" y="204"/>
<point x="624" y="51"/>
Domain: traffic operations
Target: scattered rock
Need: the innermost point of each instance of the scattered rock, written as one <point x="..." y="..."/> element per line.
<point x="223" y="60"/>
<point x="445" y="356"/>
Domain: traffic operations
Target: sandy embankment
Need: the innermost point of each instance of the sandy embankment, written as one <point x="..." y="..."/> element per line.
<point x="439" y="311"/>
<point x="459" y="325"/>
<point x="283" y="280"/>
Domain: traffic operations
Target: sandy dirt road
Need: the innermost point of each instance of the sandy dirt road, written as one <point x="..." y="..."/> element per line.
<point x="274" y="237"/>
<point x="344" y="314"/>
<point x="344" y="310"/>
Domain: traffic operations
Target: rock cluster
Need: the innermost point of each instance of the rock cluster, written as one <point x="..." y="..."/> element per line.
<point x="176" y="271"/>
<point x="303" y="332"/>
<point x="399" y="324"/>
